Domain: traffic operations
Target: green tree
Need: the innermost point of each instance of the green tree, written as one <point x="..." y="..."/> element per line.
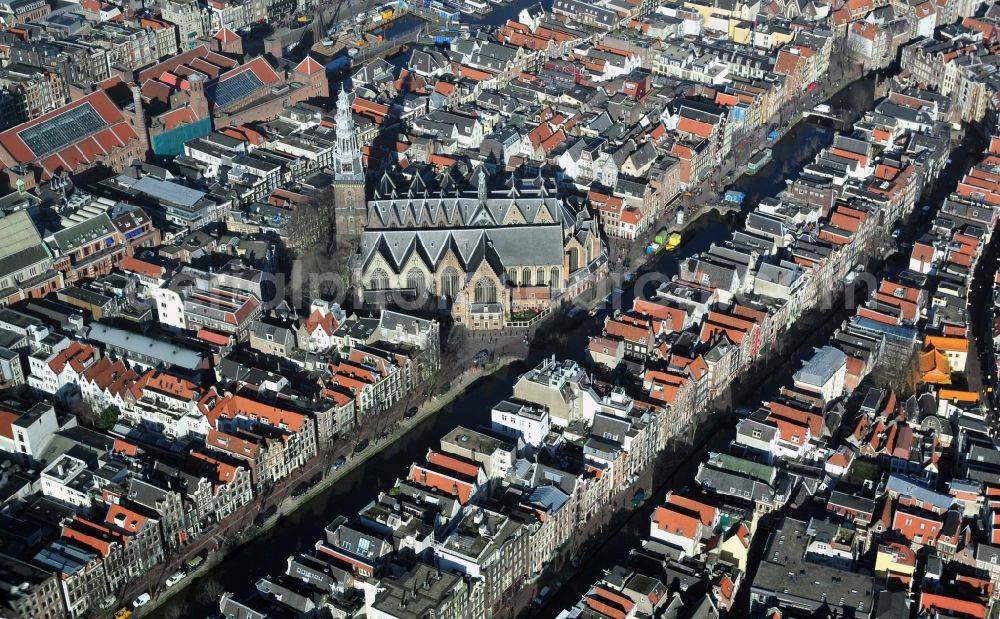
<point x="107" y="418"/>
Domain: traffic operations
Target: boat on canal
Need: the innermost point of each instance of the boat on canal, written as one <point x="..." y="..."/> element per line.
<point x="674" y="241"/>
<point x="758" y="160"/>
<point x="482" y="7"/>
<point x="734" y="197"/>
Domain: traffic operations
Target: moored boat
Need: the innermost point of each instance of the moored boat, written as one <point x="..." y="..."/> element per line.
<point x="758" y="160"/>
<point x="674" y="241"/>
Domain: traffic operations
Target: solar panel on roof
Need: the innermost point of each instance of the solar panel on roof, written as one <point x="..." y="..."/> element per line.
<point x="233" y="88"/>
<point x="62" y="130"/>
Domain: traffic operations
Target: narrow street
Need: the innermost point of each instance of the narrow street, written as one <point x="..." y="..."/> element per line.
<point x="981" y="366"/>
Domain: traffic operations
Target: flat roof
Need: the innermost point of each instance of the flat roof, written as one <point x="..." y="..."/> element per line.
<point x="150" y="347"/>
<point x="174" y="193"/>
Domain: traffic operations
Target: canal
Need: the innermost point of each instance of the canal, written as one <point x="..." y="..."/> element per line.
<point x="267" y="554"/>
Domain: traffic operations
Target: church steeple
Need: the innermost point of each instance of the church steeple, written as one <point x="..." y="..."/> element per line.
<point x="484" y="191"/>
<point x="347" y="156"/>
<point x="350" y="206"/>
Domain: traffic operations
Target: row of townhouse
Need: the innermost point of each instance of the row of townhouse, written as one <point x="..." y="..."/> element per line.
<point x="956" y="63"/>
<point x="116" y="500"/>
<point x="899" y="529"/>
<point x="446" y="510"/>
<point x="744" y="295"/>
<point x="482" y="508"/>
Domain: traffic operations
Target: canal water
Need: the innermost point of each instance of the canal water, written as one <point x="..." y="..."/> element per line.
<point x="267" y="554"/>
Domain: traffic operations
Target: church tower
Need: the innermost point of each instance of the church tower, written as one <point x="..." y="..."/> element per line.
<point x="349" y="174"/>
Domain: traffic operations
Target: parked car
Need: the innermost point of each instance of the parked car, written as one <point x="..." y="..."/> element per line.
<point x="300" y="489"/>
<point x="339" y="462"/>
<point x="194" y="562"/>
<point x="175" y="578"/>
<point x="361" y="446"/>
<point x="142" y="600"/>
<point x="481" y="356"/>
<point x="410" y="412"/>
<point x="542" y="595"/>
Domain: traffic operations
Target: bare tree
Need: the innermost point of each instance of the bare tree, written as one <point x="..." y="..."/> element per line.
<point x="85" y="413"/>
<point x="211" y="590"/>
<point x="898" y="372"/>
<point x="312" y="224"/>
<point x="175" y="612"/>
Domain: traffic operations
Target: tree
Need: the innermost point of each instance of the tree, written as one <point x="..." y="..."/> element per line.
<point x="107" y="418"/>
<point x="900" y="372"/>
<point x="323" y="261"/>
<point x="211" y="590"/>
<point x="102" y="420"/>
<point x="312" y="224"/>
<point x="175" y="611"/>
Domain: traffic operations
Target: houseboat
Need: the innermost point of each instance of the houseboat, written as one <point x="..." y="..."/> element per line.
<point x="674" y="241"/>
<point x="758" y="160"/>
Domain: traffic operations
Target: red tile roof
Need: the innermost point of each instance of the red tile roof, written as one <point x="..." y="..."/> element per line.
<point x="308" y="66"/>
<point x="142" y="267"/>
<point x="115" y="132"/>
<point x="458" y="488"/>
<point x="226" y="35"/>
<point x="706" y="513"/>
<point x="7" y="419"/>
<point x="125" y="519"/>
<point x="453" y="463"/>
<point x="176" y="117"/>
<point x="695" y="127"/>
<point x="77" y="355"/>
<point x="240" y="406"/>
<point x="951" y="606"/>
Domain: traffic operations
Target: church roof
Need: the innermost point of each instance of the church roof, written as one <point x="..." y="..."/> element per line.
<point x="308" y="66"/>
<point x="510" y="246"/>
<point x="435" y="216"/>
<point x="226" y="35"/>
<point x="442" y="201"/>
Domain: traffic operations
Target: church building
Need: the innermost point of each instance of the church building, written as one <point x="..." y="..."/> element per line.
<point x="487" y="255"/>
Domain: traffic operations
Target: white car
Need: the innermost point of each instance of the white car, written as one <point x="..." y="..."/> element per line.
<point x="175" y="578"/>
<point x="142" y="600"/>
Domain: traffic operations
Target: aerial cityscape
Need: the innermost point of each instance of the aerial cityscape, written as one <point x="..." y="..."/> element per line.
<point x="461" y="309"/>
